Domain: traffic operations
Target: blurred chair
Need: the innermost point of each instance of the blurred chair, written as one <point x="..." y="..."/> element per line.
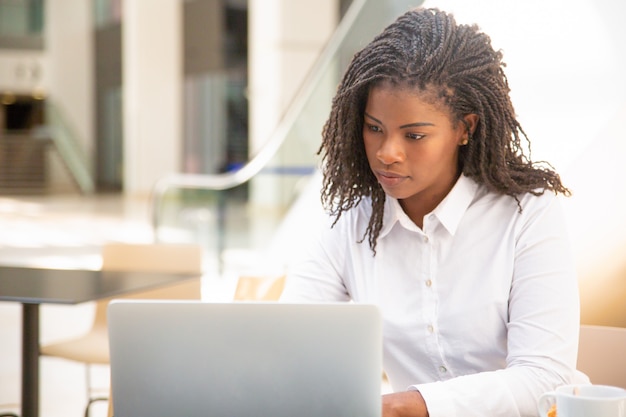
<point x="603" y="290"/>
<point x="93" y="347"/>
<point x="602" y="354"/>
<point x="252" y="288"/>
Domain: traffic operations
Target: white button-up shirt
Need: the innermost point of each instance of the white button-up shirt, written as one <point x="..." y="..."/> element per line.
<point x="480" y="308"/>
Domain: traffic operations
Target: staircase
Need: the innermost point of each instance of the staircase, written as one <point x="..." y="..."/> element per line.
<point x="23" y="165"/>
<point x="33" y="131"/>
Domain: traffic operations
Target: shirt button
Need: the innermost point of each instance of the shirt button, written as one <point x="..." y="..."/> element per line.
<point x="431" y="329"/>
<point x="429" y="283"/>
<point x="443" y="369"/>
<point x="426" y="239"/>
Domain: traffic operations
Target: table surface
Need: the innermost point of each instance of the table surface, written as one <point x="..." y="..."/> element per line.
<point x="71" y="286"/>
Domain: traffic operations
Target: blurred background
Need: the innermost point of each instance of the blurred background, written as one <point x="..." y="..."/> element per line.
<point x="199" y="121"/>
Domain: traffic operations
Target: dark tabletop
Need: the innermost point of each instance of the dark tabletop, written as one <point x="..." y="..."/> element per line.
<point x="69" y="286"/>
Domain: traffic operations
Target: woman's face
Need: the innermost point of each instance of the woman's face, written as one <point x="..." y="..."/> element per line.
<point x="412" y="147"/>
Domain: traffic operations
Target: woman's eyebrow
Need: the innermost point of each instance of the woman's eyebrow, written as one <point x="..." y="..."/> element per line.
<point x="417" y="124"/>
<point x="373" y="118"/>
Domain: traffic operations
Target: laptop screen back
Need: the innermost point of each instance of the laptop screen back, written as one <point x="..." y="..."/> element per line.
<point x="244" y="359"/>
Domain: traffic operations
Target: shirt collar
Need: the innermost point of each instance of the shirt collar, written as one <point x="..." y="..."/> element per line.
<point x="449" y="212"/>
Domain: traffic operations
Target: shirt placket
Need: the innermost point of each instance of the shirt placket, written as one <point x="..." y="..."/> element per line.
<point x="431" y="300"/>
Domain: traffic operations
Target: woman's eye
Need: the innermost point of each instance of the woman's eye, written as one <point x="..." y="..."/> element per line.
<point x="415" y="136"/>
<point x="373" y="128"/>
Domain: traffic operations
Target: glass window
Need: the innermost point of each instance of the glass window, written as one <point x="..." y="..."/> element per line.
<point x="21" y="24"/>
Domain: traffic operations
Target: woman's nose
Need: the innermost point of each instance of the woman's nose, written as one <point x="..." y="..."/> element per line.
<point x="390" y="151"/>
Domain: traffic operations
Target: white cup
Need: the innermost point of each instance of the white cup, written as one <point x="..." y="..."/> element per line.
<point x="584" y="401"/>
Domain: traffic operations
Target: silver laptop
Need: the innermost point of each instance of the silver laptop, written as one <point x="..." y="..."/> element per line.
<point x="189" y="358"/>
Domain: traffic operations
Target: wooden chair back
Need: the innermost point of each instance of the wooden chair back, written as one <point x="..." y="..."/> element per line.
<point x="602" y="354"/>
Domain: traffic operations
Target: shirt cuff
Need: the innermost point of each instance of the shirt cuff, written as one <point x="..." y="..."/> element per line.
<point x="437" y="398"/>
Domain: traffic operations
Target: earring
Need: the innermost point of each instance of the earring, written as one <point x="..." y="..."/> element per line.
<point x="467" y="139"/>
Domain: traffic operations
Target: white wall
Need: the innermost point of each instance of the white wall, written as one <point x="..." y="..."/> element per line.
<point x="285" y="38"/>
<point x="22" y="72"/>
<point x="152" y="92"/>
<point x="68" y="34"/>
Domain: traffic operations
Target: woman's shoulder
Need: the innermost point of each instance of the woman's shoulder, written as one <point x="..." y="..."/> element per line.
<point x="496" y="207"/>
<point x="353" y="220"/>
<point x="536" y="199"/>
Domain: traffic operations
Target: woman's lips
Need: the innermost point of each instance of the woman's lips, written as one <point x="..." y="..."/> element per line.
<point x="389" y="179"/>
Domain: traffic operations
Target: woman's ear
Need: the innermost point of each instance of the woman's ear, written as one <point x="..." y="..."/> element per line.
<point x="470" y="121"/>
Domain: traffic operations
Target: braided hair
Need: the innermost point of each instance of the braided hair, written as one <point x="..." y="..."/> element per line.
<point x="425" y="49"/>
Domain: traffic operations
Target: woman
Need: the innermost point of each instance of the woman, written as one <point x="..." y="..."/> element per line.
<point x="439" y="217"/>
